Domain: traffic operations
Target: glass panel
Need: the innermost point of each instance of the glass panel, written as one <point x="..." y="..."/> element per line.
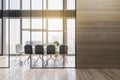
<point x="0" y="36"/>
<point x="44" y="38"/>
<point x="0" y="4"/>
<point x="71" y="4"/>
<point x="6" y="38"/>
<point x="44" y="22"/>
<point x="55" y="36"/>
<point x="4" y="60"/>
<point x="71" y="36"/>
<point x="14" y="34"/>
<point x="36" y="4"/>
<point x="26" y="23"/>
<point x="55" y="4"/>
<point x="36" y="23"/>
<point x="55" y="24"/>
<point x="6" y="6"/>
<point x="26" y="4"/>
<point x="44" y="5"/>
<point x="14" y="4"/>
<point x="37" y="38"/>
<point x="25" y="37"/>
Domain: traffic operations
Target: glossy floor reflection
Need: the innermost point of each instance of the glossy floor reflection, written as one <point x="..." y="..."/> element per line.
<point x="39" y="63"/>
<point x="4" y="61"/>
<point x="18" y="72"/>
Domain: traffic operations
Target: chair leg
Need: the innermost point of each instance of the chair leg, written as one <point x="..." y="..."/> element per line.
<point x="28" y="59"/>
<point x="49" y="59"/>
<point x="17" y="57"/>
<point x="63" y="57"/>
<point x="43" y="61"/>
<point x="56" y="60"/>
<point x="39" y="58"/>
<point x="64" y="60"/>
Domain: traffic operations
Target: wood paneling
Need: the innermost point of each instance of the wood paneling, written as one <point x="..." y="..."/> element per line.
<point x="98" y="33"/>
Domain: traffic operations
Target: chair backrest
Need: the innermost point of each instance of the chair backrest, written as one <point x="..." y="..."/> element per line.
<point x="39" y="49"/>
<point x="19" y="48"/>
<point x="63" y="49"/>
<point x="28" y="49"/>
<point x="50" y="49"/>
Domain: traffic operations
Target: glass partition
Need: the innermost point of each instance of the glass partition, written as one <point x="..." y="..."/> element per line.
<point x="54" y="23"/>
<point x="37" y="23"/>
<point x="55" y="4"/>
<point x="25" y="4"/>
<point x="1" y="37"/>
<point x="0" y="4"/>
<point x="37" y="4"/>
<point x="5" y="57"/>
<point x="1" y="31"/>
<point x="71" y="35"/>
<point x="14" y="4"/>
<point x="14" y="34"/>
<point x="71" y="4"/>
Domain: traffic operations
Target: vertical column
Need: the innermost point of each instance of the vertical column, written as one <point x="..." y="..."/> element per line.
<point x="21" y="22"/>
<point x="0" y="27"/>
<point x="64" y="22"/>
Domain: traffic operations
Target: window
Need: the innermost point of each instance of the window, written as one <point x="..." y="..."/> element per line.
<point x="0" y="36"/>
<point x="6" y="38"/>
<point x="14" y="4"/>
<point x="37" y="4"/>
<point x="71" y="35"/>
<point x="44" y="26"/>
<point x="37" y="23"/>
<point x="6" y="6"/>
<point x="0" y="4"/>
<point x="25" y="37"/>
<point x="71" y="4"/>
<point x="55" y="36"/>
<point x="40" y="4"/>
<point x="26" y="23"/>
<point x="52" y="30"/>
<point x="44" y="6"/>
<point x="38" y="37"/>
<point x="26" y="4"/>
<point x="37" y="34"/>
<point x="55" y="30"/>
<point x="55" y="24"/>
<point x="14" y="34"/>
<point x="55" y="4"/>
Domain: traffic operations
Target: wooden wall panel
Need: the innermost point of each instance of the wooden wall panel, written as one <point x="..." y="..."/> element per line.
<point x="98" y="33"/>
